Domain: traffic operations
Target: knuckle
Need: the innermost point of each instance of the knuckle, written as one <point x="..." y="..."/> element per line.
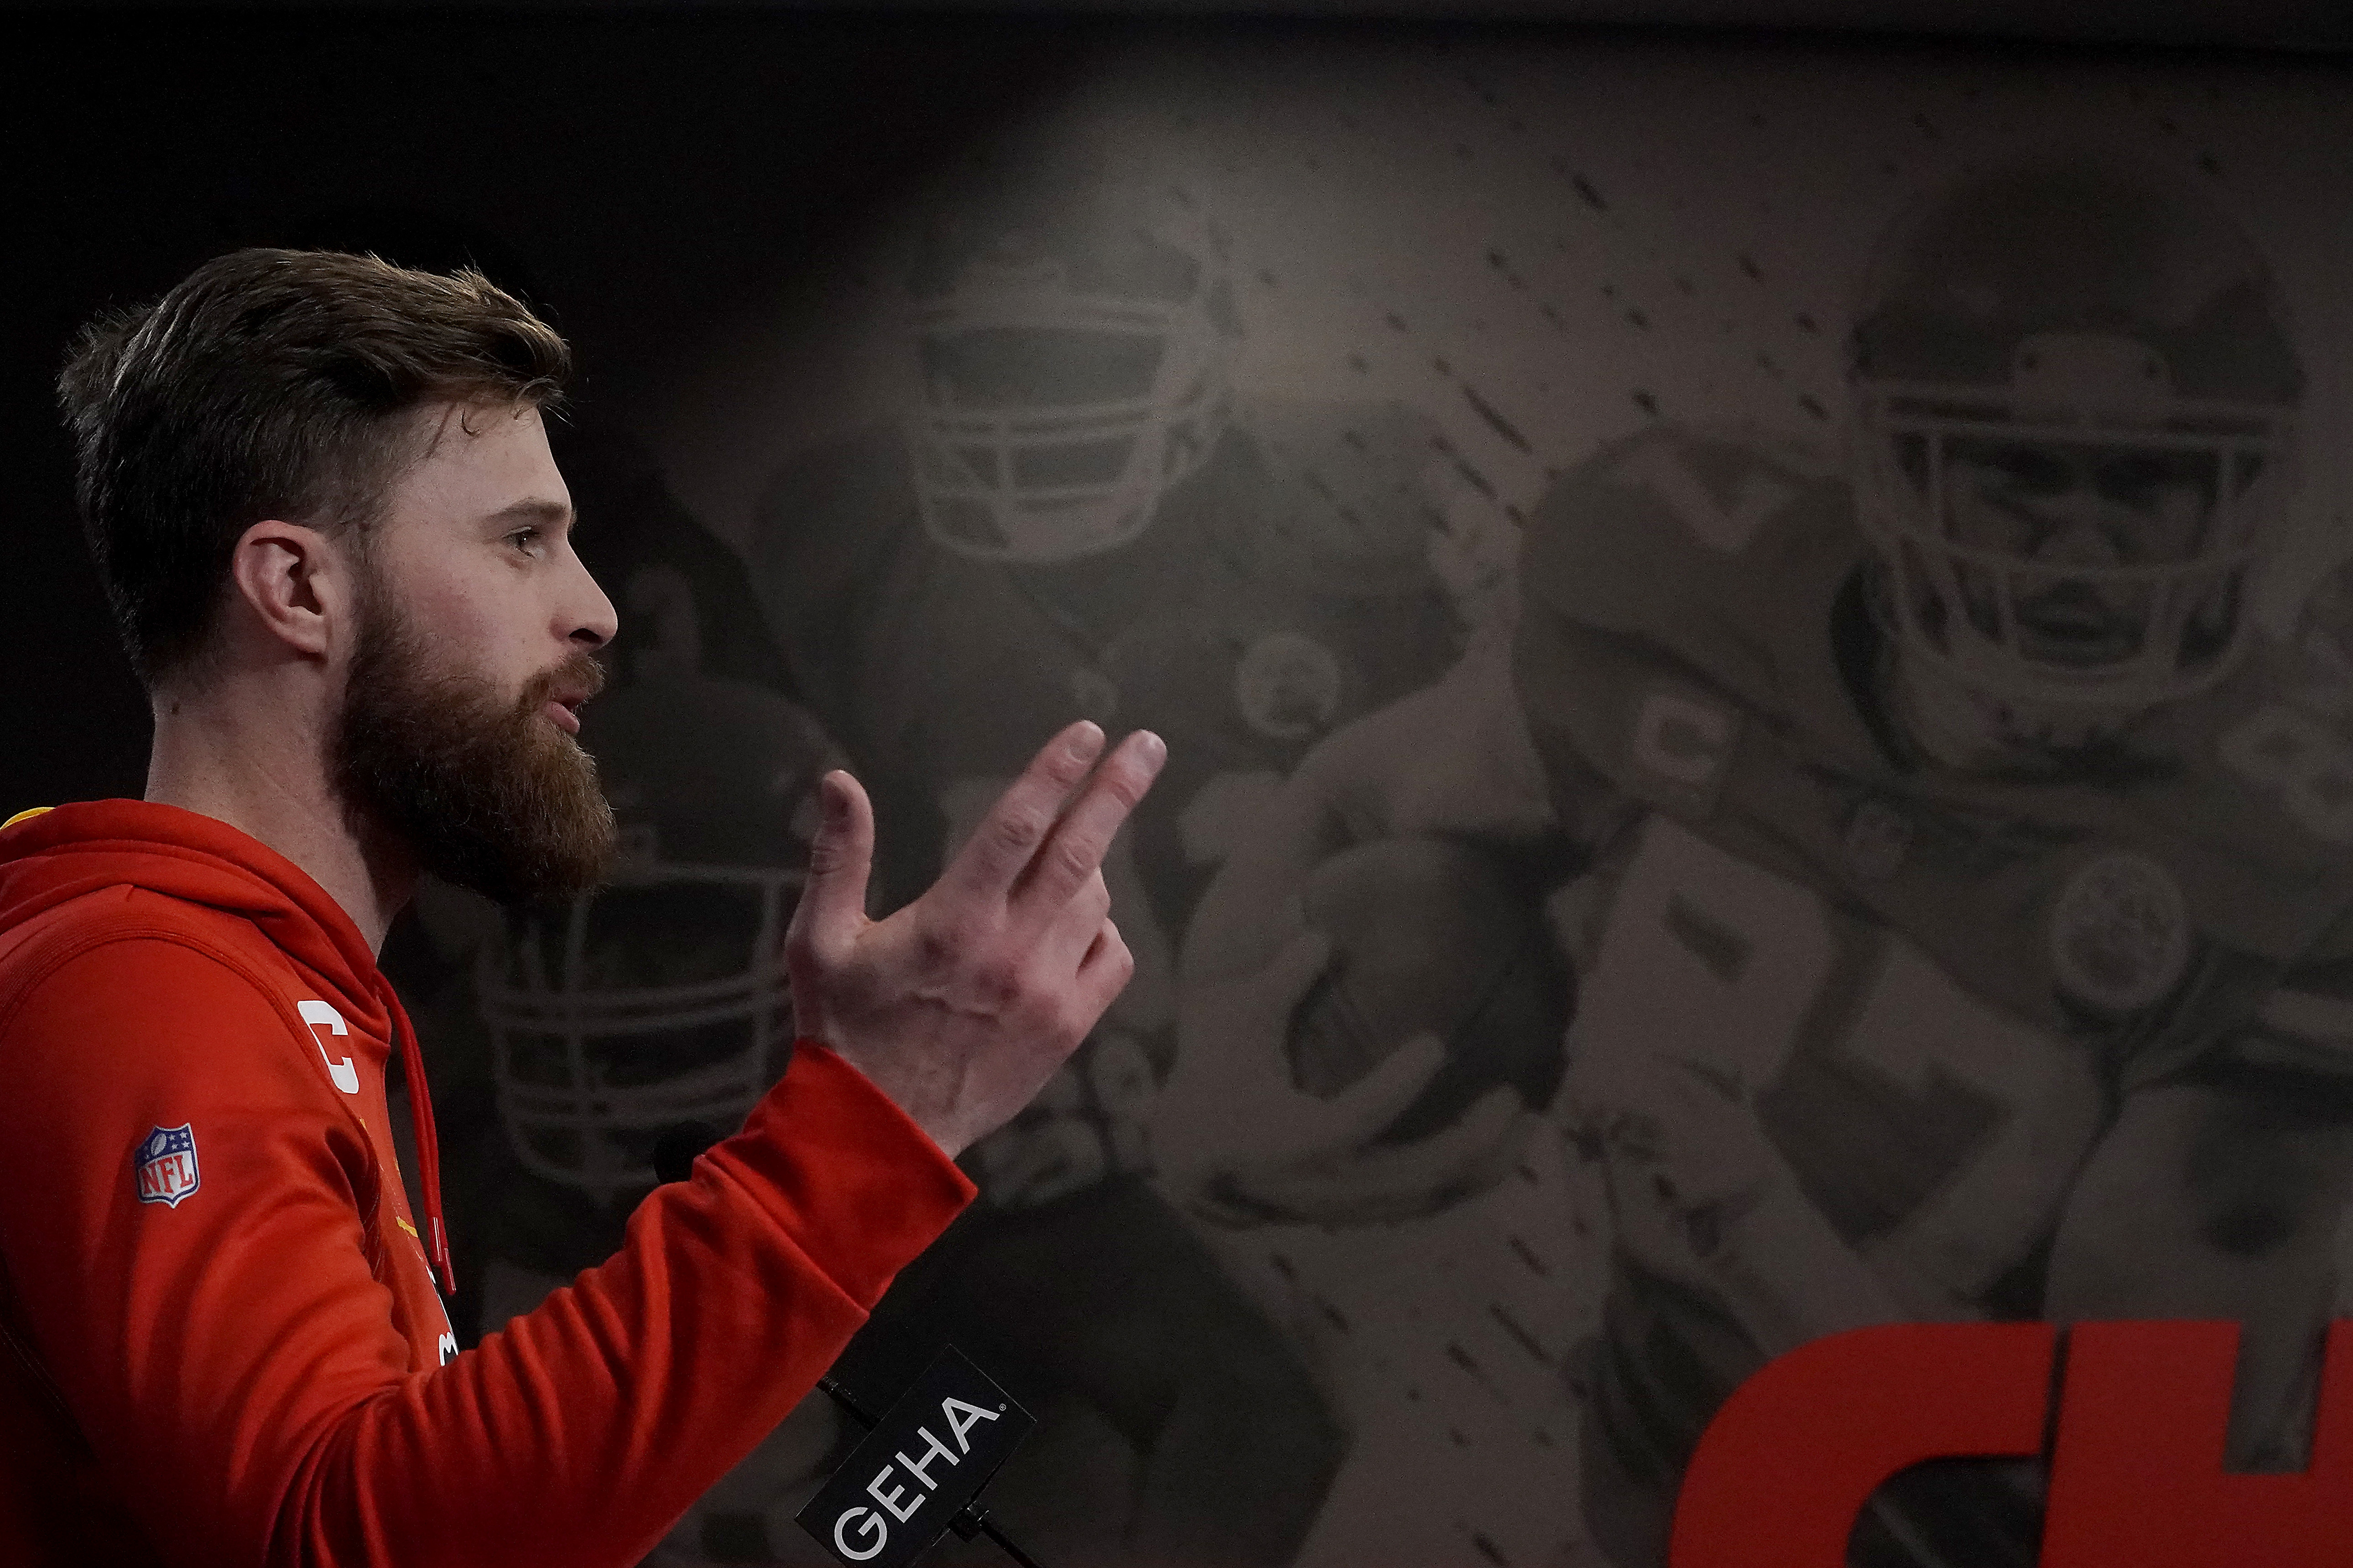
<point x="1000" y="983"/>
<point x="1015" y="829"/>
<point x="1068" y="760"/>
<point x="938" y="944"/>
<point x="1076" y="860"/>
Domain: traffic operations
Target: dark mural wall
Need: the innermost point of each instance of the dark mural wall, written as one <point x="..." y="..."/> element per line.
<point x="1757" y="695"/>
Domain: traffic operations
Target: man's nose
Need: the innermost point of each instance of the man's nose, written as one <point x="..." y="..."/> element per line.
<point x="2080" y="531"/>
<point x="591" y="618"/>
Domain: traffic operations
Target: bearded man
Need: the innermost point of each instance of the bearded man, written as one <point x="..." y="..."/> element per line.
<point x="319" y="491"/>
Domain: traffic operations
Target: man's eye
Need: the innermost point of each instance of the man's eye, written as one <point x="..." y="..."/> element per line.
<point x="525" y="540"/>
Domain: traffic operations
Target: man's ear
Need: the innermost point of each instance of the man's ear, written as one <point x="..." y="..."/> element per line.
<point x="295" y="587"/>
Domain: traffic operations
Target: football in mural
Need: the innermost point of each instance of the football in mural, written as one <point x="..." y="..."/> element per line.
<point x="1431" y="936"/>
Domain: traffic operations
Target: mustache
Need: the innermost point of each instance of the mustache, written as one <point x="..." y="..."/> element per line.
<point x="579" y="677"/>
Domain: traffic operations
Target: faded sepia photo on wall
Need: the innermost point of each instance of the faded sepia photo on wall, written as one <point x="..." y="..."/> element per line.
<point x="1760" y="707"/>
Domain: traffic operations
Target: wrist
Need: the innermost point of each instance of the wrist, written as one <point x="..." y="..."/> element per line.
<point x="887" y="1073"/>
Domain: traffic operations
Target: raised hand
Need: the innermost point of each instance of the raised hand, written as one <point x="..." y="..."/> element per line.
<point x="961" y="1005"/>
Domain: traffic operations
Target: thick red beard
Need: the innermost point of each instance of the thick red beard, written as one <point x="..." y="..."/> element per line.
<point x="489" y="796"/>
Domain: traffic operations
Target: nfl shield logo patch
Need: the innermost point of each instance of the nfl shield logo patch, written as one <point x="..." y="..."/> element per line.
<point x="167" y="1166"/>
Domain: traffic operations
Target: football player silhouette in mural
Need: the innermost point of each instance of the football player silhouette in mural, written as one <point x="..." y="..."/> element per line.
<point x="1960" y="904"/>
<point x="1073" y="517"/>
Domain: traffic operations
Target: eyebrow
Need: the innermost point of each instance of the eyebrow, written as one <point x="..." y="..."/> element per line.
<point x="537" y="509"/>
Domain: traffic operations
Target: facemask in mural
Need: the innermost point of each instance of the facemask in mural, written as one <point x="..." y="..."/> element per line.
<point x="2076" y="401"/>
<point x="1069" y="328"/>
<point x="657" y="1007"/>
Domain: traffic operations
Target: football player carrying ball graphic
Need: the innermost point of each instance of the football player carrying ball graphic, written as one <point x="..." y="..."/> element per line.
<point x="1959" y="891"/>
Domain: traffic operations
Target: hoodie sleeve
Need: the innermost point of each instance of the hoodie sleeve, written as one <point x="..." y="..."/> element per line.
<point x="232" y="1357"/>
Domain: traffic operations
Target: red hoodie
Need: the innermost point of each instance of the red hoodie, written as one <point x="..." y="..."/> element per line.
<point x="220" y="1338"/>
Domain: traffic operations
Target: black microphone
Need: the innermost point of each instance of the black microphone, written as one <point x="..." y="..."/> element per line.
<point x="935" y="1395"/>
<point x="939" y="1443"/>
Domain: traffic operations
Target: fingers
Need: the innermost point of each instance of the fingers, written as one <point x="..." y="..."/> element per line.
<point x="1074" y="848"/>
<point x="1000" y="848"/>
<point x="832" y="908"/>
<point x="1076" y="925"/>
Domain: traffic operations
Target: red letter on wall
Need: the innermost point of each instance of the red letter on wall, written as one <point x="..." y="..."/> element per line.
<point x="1789" y="1462"/>
<point x="2136" y="1473"/>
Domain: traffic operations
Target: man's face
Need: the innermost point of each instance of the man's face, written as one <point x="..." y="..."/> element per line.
<point x="2086" y="506"/>
<point x="476" y="632"/>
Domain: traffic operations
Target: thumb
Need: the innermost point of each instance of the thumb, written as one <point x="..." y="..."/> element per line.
<point x="833" y="904"/>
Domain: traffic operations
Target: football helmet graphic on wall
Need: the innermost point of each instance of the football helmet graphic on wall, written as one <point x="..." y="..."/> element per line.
<point x="657" y="1007"/>
<point x="1069" y="327"/>
<point x="2077" y="398"/>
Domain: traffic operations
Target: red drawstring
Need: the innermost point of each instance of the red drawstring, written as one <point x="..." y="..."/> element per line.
<point x="428" y="1146"/>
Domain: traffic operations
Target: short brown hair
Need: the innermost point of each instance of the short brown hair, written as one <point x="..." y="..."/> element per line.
<point x="270" y="384"/>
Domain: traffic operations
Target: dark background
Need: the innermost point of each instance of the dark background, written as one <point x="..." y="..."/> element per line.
<point x="638" y="172"/>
